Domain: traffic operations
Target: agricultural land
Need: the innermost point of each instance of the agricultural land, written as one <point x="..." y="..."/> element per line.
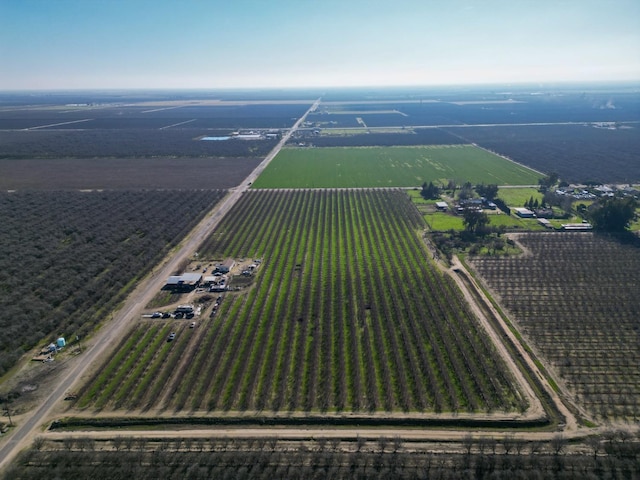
<point x="305" y="284"/>
<point x="336" y="321"/>
<point x="390" y="167"/>
<point x="83" y="252"/>
<point x="574" y="297"/>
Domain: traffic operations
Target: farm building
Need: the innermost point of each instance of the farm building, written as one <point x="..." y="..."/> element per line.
<point x="545" y="223"/>
<point x="474" y="203"/>
<point x="442" y="206"/>
<point x="209" y="279"/>
<point x="572" y="227"/>
<point x="225" y="266"/>
<point x="524" y="212"/>
<point x="183" y="283"/>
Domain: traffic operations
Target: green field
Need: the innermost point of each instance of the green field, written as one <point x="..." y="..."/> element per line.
<point x="516" y="197"/>
<point x="359" y="167"/>
<point x="443" y="222"/>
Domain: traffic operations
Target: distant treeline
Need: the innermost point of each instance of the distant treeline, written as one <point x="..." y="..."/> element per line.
<point x="421" y="136"/>
<point x="126" y="143"/>
<point x="578" y="153"/>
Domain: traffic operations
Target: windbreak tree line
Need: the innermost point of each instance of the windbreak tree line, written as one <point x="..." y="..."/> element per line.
<point x="69" y="257"/>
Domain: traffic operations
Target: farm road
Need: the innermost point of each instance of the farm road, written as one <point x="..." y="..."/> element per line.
<point x="535" y="407"/>
<point x="137" y="300"/>
<point x="302" y="434"/>
<point x="571" y="424"/>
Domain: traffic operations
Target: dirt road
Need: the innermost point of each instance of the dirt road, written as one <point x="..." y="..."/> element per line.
<point x="571" y="423"/>
<point x="283" y="433"/>
<point x="535" y="407"/>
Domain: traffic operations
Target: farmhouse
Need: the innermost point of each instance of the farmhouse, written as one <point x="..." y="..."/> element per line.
<point x="524" y="212"/>
<point x="473" y="203"/>
<point x="183" y="283"/>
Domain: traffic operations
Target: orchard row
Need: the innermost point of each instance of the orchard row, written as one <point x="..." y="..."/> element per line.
<point x="575" y="296"/>
<point x="347" y="313"/>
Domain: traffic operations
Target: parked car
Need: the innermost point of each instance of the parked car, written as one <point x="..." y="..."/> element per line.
<point x="171" y="336"/>
<point x="166" y="315"/>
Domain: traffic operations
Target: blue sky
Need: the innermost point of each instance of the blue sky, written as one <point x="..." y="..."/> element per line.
<point x="58" y="44"/>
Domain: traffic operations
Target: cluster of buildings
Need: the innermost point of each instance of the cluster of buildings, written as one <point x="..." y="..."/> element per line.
<point x="246" y="135"/>
<point x="475" y="203"/>
<point x="218" y="281"/>
<point x="255" y="134"/>
<point x="583" y="192"/>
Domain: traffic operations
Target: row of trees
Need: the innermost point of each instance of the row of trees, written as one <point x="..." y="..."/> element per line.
<point x="339" y="316"/>
<point x="382" y="458"/>
<point x="576" y="153"/>
<point x="127" y="143"/>
<point x="596" y="281"/>
<point x="69" y="257"/>
<point x="418" y="137"/>
<point x="430" y="191"/>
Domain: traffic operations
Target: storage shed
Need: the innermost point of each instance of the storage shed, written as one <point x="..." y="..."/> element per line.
<point x="183" y="283"/>
<point x="524" y="212"/>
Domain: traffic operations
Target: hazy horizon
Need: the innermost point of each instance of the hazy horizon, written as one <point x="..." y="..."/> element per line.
<point x="518" y="87"/>
<point x="246" y="44"/>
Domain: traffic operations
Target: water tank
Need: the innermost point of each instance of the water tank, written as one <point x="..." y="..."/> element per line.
<point x="60" y="342"/>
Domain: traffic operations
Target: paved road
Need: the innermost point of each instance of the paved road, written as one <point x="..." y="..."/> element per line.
<point x="141" y="296"/>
